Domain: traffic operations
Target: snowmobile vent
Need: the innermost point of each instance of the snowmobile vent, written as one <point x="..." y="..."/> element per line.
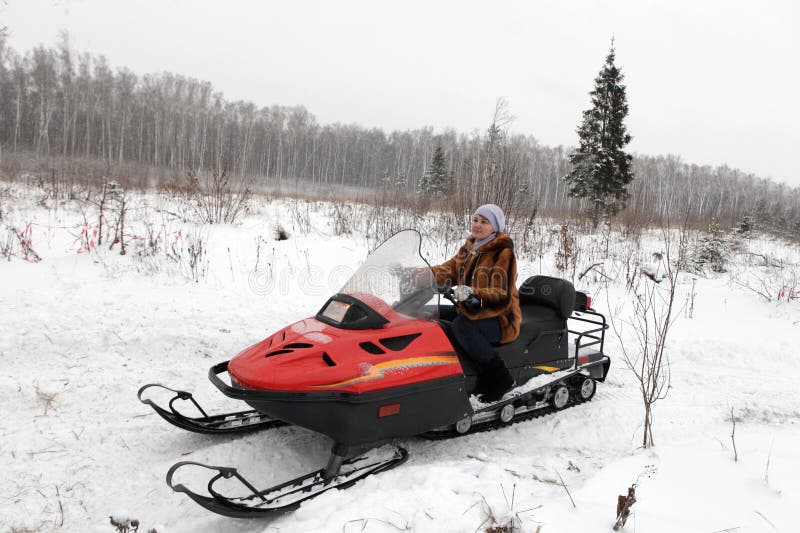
<point x="399" y="343"/>
<point x="372" y="348"/>
<point x="278" y="352"/>
<point x="328" y="360"/>
<point x="289" y="348"/>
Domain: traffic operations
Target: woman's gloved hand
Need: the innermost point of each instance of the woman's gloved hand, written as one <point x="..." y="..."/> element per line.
<point x="462" y="292"/>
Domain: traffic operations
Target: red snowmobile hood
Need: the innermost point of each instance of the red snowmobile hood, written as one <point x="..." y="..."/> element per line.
<point x="311" y="356"/>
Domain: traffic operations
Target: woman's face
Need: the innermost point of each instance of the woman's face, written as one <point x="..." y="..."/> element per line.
<point x="481" y="228"/>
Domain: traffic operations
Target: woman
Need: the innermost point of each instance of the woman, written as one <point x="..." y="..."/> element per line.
<point x="483" y="274"/>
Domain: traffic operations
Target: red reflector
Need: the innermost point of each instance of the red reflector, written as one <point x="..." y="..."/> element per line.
<point x="388" y="410"/>
<point x="583" y="359"/>
<point x="588" y="302"/>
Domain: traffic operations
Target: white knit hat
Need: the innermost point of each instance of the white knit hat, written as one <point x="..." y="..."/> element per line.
<point x="494" y="215"/>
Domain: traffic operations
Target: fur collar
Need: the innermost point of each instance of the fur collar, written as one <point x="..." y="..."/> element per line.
<point x="503" y="240"/>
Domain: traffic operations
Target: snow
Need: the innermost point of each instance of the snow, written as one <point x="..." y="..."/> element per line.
<point x="81" y="332"/>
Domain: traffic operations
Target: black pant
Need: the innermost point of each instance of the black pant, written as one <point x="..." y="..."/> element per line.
<point x="477" y="336"/>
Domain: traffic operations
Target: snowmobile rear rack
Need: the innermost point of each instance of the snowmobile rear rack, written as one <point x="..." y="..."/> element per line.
<point x="225" y="423"/>
<point x="590" y="334"/>
<point x="339" y="474"/>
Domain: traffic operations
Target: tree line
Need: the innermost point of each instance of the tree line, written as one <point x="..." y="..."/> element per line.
<point x="58" y="106"/>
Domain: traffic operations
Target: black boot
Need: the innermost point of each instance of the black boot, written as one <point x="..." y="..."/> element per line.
<point x="495" y="380"/>
<point x="480" y="383"/>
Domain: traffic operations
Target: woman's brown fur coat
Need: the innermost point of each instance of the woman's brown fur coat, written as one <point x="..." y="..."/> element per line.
<point x="494" y="282"/>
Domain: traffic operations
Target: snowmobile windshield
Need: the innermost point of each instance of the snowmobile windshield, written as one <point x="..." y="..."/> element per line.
<point x="396" y="274"/>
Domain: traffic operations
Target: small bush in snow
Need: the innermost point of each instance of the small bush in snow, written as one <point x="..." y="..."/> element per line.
<point x="196" y="261"/>
<point x="119" y="199"/>
<point x="280" y="233"/>
<point x="745" y="227"/>
<point x="567" y="254"/>
<point x="300" y="212"/>
<point x="127" y="525"/>
<point x="7" y="240"/>
<point x="4" y="196"/>
<point x="711" y="252"/>
<point x="772" y="280"/>
<point x="341" y="215"/>
<point x="16" y="243"/>
<point x="625" y="502"/>
<point x="215" y="199"/>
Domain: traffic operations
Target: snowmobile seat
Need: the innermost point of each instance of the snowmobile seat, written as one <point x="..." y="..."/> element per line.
<point x="546" y="304"/>
<point x="554" y="293"/>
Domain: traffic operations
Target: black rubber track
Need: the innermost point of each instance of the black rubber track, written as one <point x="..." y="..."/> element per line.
<point x="574" y="399"/>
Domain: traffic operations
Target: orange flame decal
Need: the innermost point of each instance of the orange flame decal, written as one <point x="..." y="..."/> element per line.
<point x="378" y="371"/>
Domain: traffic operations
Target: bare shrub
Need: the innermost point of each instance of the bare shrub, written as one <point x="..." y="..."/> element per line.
<point x="216" y="198"/>
<point x="119" y="209"/>
<point x="26" y="529"/>
<point x="651" y="319"/>
<point x="300" y="213"/>
<point x="196" y="262"/>
<point x="188" y="252"/>
<point x="772" y="279"/>
<point x="19" y="243"/>
<point x="625" y="502"/>
<point x="733" y="420"/>
<point x="280" y="233"/>
<point x="7" y="242"/>
<point x="633" y="225"/>
<point x="47" y="398"/>
<point x="5" y="194"/>
<point x="341" y="215"/>
<point x="149" y="247"/>
<point x="690" y="296"/>
<point x="528" y="233"/>
<point x="508" y="521"/>
<point x="381" y="222"/>
<point x="567" y="253"/>
<point x="151" y="243"/>
<point x="127" y="525"/>
<point x="100" y="201"/>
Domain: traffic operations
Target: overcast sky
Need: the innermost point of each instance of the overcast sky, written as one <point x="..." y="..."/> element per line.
<point x="714" y="81"/>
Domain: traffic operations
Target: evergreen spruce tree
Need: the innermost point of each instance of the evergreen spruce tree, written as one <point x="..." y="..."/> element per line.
<point x="745" y="227"/>
<point x="601" y="170"/>
<point x="712" y="251"/>
<point x="434" y="182"/>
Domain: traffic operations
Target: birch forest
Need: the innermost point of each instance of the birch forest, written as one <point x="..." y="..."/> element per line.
<point x="75" y="117"/>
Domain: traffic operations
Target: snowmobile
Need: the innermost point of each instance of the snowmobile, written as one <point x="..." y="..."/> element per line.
<point x="378" y="363"/>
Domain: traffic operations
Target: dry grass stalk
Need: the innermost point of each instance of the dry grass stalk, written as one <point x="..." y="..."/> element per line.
<point x="624" y="504"/>
<point x="566" y="489"/>
<point x="46" y="397"/>
<point x="733" y="434"/>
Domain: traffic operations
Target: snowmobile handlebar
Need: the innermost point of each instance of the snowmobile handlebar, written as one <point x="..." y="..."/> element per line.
<point x="446" y="290"/>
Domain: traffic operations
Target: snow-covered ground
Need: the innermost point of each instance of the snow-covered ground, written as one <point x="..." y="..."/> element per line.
<point x="81" y="332"/>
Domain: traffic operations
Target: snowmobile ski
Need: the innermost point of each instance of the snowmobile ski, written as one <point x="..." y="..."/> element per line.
<point x="339" y="474"/>
<point x="225" y="423"/>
